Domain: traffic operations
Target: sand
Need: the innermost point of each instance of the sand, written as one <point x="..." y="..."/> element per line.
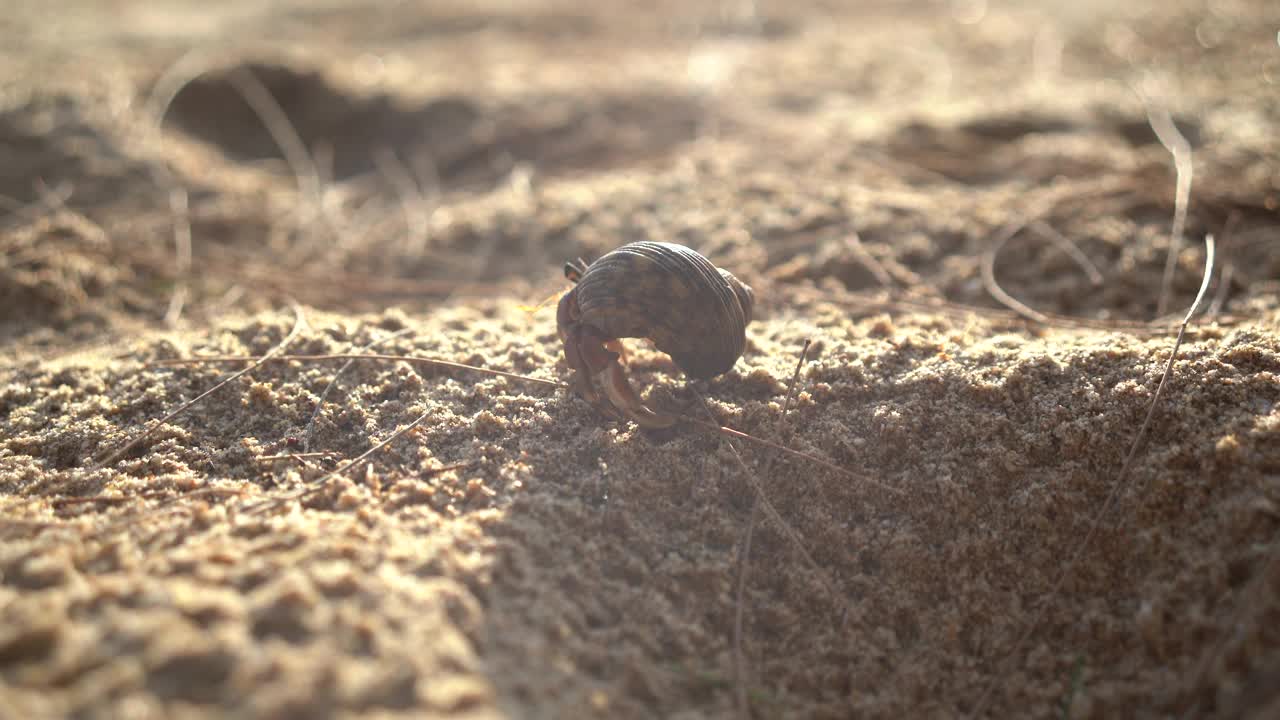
<point x="187" y="180"/>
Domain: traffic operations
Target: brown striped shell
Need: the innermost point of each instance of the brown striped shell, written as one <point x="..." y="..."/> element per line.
<point x="690" y="309"/>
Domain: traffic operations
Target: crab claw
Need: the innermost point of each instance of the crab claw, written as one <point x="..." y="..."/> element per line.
<point x="614" y="382"/>
<point x="594" y="360"/>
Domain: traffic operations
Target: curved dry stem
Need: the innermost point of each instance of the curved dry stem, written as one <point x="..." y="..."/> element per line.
<point x="1173" y="141"/>
<point x="171" y="82"/>
<point x="1002" y="237"/>
<point x="1046" y="205"/>
<point x="276" y="122"/>
<point x="1070" y="248"/>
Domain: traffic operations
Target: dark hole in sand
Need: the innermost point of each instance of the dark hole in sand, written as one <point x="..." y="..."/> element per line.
<point x="451" y="140"/>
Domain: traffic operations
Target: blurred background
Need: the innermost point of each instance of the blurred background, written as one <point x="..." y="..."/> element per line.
<point x="359" y="154"/>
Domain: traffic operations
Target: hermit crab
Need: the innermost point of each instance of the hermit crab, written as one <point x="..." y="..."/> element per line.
<point x="689" y="308"/>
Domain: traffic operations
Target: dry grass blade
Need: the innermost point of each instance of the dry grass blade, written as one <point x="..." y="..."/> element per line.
<point x="744" y="554"/>
<point x="59" y="502"/>
<point x="276" y="121"/>
<point x="1177" y="145"/>
<point x="273" y="118"/>
<point x="299" y="323"/>
<point x="1052" y="200"/>
<point x="158" y="103"/>
<point x="783" y="526"/>
<point x="1116" y="484"/>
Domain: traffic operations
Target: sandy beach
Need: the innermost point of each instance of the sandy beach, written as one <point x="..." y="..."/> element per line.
<point x="971" y="210"/>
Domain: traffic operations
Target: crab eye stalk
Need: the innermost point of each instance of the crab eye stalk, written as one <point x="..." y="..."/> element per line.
<point x="574" y="270"/>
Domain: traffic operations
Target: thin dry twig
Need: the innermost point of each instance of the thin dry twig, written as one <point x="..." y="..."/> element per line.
<point x="1070" y="248"/>
<point x="59" y="502"/>
<point x="1228" y="267"/>
<point x="783" y="525"/>
<point x="763" y="500"/>
<point x="853" y="242"/>
<point x="295" y="456"/>
<point x="355" y="356"/>
<point x="314" y="486"/>
<point x="464" y="465"/>
<point x="1116" y="484"/>
<point x="744" y="554"/>
<point x="299" y="323"/>
<point x="180" y="211"/>
<point x="730" y="432"/>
